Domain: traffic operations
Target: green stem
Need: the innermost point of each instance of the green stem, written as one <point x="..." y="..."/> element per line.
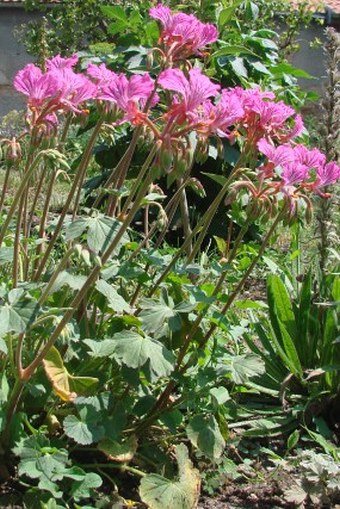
<point x="205" y="219"/>
<point x="5" y="186"/>
<point x="10" y="411"/>
<point x="27" y="175"/>
<point x="44" y="216"/>
<point x="164" y="397"/>
<point x="139" y="179"/>
<point x="56" y="272"/>
<point x="35" y="200"/>
<point x="17" y="245"/>
<point x="183" y="203"/>
<point x="246" y="275"/>
<point x="121" y="167"/>
<point x="29" y="370"/>
<point x="76" y="182"/>
<point x="116" y="466"/>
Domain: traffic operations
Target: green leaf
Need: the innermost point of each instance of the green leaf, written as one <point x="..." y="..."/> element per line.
<point x="157" y="492"/>
<point x="17" y="313"/>
<point x="114" y="12"/>
<point x="232" y="50"/>
<point x="237" y="64"/>
<point x="284" y="68"/>
<point x="204" y="433"/>
<point x="227" y="13"/>
<point x="280" y="303"/>
<point x="258" y="66"/>
<point x="83" y="431"/>
<point x="220" y="179"/>
<point x="135" y="351"/>
<point x="220" y="394"/>
<point x="115" y="301"/>
<point x="4" y="388"/>
<point x="84" y="488"/>
<point x="221" y="245"/>
<point x="65" y="278"/>
<point x="100" y="348"/>
<point x="122" y="452"/>
<point x="304" y="312"/>
<point x="157" y="316"/>
<point x="3" y="346"/>
<point x="242" y="367"/>
<point x="293" y="439"/>
<point x="41" y="461"/>
<point x="6" y="255"/>
<point x="101" y="231"/>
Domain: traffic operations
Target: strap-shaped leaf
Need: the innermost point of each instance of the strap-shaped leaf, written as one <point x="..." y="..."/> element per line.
<point x="280" y="304"/>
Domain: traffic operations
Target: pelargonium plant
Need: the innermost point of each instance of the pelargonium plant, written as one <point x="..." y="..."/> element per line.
<point x="177" y="110"/>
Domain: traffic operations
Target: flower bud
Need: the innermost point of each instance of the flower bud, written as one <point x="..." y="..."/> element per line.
<point x="202" y="151"/>
<point x="197" y="186"/>
<point x="149" y="61"/>
<point x="13" y="150"/>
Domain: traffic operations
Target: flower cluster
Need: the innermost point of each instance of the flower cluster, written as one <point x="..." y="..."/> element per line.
<point x="298" y="166"/>
<point x="265" y="127"/>
<point x="182" y="35"/>
<point x="60" y="90"/>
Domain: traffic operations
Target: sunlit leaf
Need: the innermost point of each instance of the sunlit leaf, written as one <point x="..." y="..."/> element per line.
<point x="17" y="313"/>
<point x="66" y="386"/>
<point x="114" y="300"/>
<point x="84" y="429"/>
<point x="135" y="351"/>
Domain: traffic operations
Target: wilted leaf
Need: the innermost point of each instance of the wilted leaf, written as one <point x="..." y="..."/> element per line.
<point x="161" y="493"/>
<point x="295" y="495"/>
<point x="66" y="386"/>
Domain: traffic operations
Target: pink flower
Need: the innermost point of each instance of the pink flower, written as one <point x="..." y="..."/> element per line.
<point x="59" y="62"/>
<point x="327" y="175"/>
<point x="312" y="158"/>
<point x="266" y="118"/>
<point x="38" y="87"/>
<point x="190" y="93"/>
<point x="294" y="173"/>
<point x="278" y="156"/>
<point x="296" y="130"/>
<point x="271" y="115"/>
<point x="130" y="95"/>
<point x="101" y="74"/>
<point x="74" y="88"/>
<point x="228" y="111"/>
<point x="182" y="34"/>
